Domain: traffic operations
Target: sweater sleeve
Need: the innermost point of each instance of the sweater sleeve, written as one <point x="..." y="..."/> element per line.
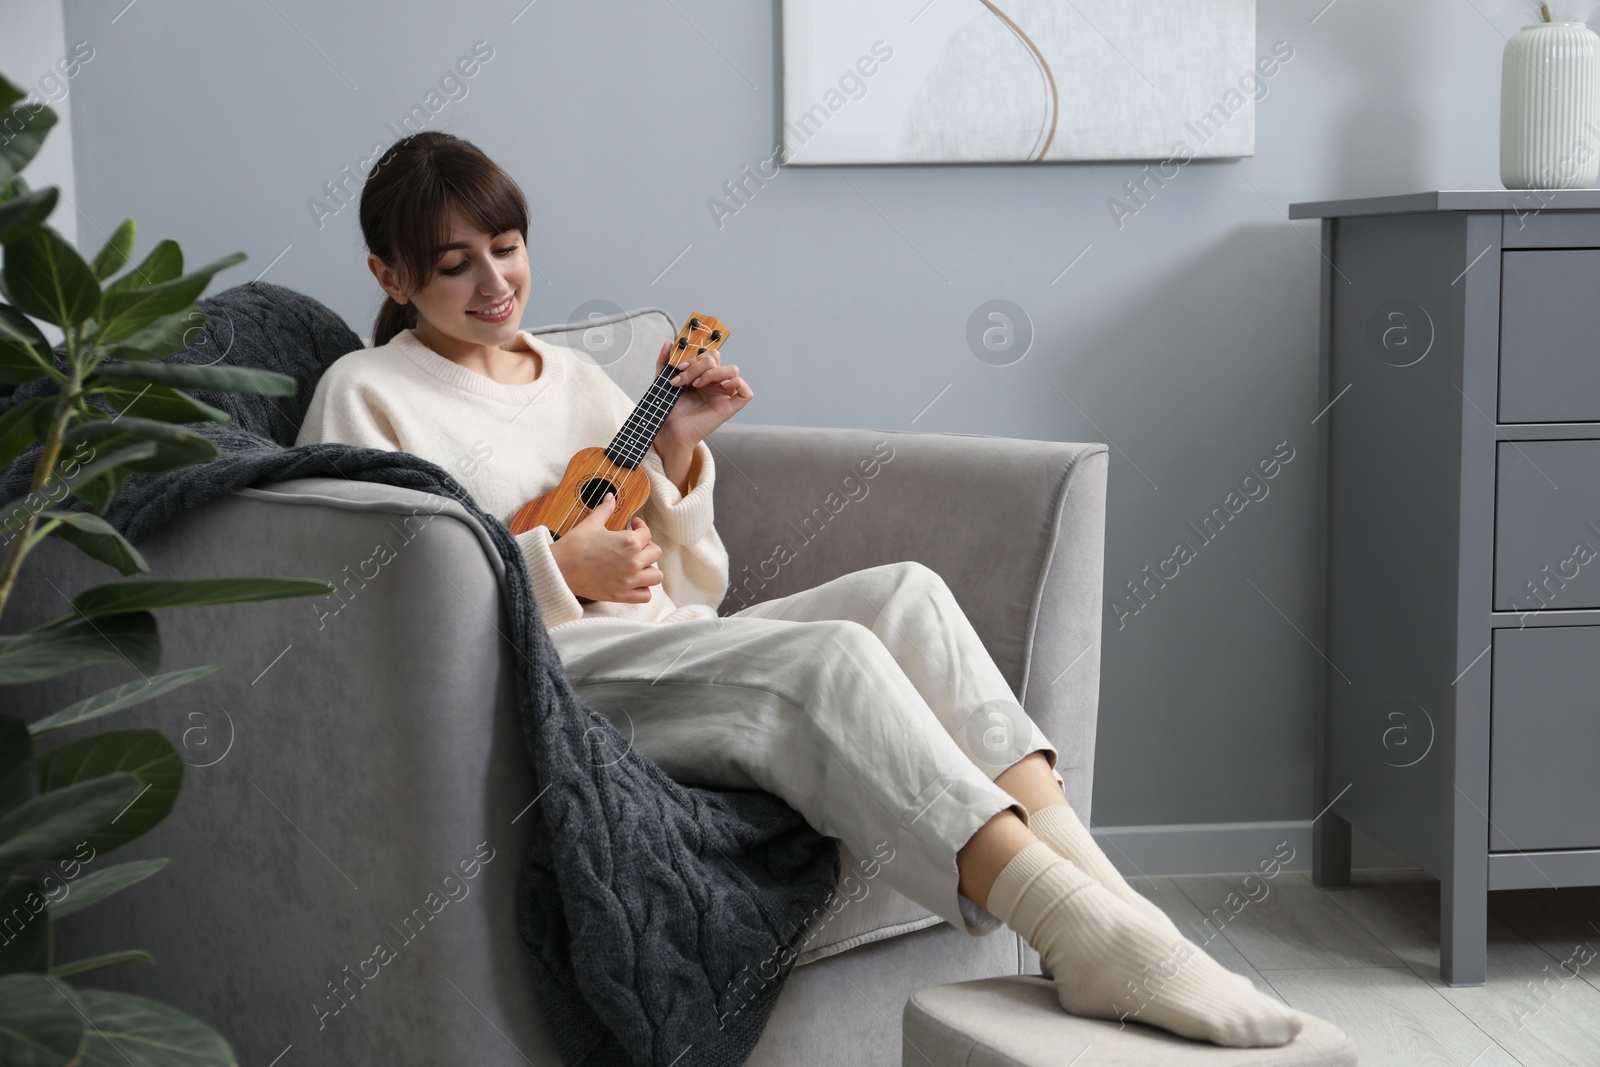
<point x="694" y="561"/>
<point x="557" y="604"/>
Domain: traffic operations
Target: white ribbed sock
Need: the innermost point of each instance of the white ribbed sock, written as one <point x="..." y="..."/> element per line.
<point x="1058" y="826"/>
<point x="1112" y="962"/>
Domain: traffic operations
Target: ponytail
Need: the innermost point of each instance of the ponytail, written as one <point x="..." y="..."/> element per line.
<point x="393" y="317"/>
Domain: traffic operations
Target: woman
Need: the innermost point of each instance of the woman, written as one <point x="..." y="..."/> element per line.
<point x="851" y="701"/>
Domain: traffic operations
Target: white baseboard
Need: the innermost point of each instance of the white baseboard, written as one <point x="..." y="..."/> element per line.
<point x="1229" y="848"/>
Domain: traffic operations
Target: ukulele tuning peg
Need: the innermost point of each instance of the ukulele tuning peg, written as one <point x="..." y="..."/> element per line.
<point x="700" y="351"/>
<point x="716" y="335"/>
<point x="694" y="324"/>
<point x="683" y="342"/>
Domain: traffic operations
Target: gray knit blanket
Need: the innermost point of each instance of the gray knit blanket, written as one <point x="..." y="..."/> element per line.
<point x="659" y="920"/>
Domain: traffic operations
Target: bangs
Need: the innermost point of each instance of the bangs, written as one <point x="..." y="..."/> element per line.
<point x="486" y="196"/>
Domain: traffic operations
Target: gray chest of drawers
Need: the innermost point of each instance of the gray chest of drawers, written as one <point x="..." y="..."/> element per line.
<point x="1460" y="430"/>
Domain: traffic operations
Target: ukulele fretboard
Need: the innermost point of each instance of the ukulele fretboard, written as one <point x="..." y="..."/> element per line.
<point x="638" y="433"/>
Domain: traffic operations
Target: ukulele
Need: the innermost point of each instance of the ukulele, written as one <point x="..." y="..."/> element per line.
<point x="594" y="472"/>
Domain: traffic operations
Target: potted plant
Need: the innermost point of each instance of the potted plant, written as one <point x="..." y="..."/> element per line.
<point x="116" y="411"/>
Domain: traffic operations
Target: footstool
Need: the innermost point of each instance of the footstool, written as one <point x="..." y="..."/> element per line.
<point x="1016" y="1021"/>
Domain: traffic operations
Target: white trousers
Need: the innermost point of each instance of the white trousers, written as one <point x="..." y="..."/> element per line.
<point x="868" y="704"/>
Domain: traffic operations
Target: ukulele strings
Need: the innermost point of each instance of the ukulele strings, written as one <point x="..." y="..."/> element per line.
<point x="602" y="471"/>
<point x="612" y="468"/>
<point x="608" y="471"/>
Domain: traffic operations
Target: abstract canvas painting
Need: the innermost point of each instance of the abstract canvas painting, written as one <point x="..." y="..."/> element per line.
<point x="963" y="81"/>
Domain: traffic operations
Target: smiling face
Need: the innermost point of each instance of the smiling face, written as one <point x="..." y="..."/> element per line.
<point x="477" y="291"/>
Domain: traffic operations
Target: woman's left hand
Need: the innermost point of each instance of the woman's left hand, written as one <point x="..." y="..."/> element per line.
<point x="712" y="394"/>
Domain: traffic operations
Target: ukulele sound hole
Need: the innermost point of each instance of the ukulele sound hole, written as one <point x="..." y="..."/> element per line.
<point x="594" y="491"/>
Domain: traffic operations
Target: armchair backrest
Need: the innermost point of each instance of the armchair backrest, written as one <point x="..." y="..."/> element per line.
<point x="625" y="343"/>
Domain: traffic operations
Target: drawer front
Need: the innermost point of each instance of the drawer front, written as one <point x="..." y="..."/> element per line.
<point x="1546" y="537"/>
<point x="1544" y="792"/>
<point x="1550" y="336"/>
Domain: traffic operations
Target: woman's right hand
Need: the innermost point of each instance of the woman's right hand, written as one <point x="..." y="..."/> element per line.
<point x="613" y="565"/>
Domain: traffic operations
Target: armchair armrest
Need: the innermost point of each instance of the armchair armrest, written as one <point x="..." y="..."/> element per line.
<point x="352" y="754"/>
<point x="1016" y="529"/>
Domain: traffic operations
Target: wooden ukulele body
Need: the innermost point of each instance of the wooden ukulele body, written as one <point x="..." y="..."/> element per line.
<point x="590" y="475"/>
<point x="594" y="472"/>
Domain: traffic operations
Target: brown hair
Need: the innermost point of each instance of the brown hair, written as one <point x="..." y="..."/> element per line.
<point x="405" y="211"/>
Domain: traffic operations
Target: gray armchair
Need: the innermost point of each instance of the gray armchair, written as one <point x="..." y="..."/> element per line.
<point x="356" y="756"/>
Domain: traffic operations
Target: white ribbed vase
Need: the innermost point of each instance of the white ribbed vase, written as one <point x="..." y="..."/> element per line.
<point x="1549" y="118"/>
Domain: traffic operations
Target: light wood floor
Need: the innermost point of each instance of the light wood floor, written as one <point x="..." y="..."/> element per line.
<point x="1367" y="960"/>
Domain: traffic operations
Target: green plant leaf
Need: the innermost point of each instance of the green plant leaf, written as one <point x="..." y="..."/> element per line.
<point x="18" y="428"/>
<point x="98" y="539"/>
<point x="16" y="515"/>
<point x="23" y="212"/>
<point x="160" y="337"/>
<point x="20" y="342"/>
<point x="25" y="128"/>
<point x="123" y="311"/>
<point x="46" y="278"/>
<point x="164" y="263"/>
<point x="92" y="888"/>
<point x="101" y="962"/>
<point x="27" y="924"/>
<point x="126" y="1029"/>
<point x="123" y="696"/>
<point x="61" y="819"/>
<point x="175" y="445"/>
<point x="87" y="412"/>
<point x="98" y="481"/>
<point x="109" y="461"/>
<point x="117" y="251"/>
<point x="161" y="402"/>
<point x="19" y="780"/>
<point x="9" y="93"/>
<point x="144" y="753"/>
<point x="41" y="1022"/>
<point x="151" y="594"/>
<point x="73" y="643"/>
<point x="99" y="492"/>
<point x="217" y="379"/>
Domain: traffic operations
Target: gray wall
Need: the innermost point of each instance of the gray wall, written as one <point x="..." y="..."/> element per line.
<point x="1186" y="338"/>
<point x="34" y="56"/>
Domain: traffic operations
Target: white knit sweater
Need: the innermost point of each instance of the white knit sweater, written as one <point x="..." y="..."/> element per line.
<point x="508" y="444"/>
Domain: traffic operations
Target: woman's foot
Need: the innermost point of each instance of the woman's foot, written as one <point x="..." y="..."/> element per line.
<point x="1110" y="961"/>
<point x="1058" y="826"/>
